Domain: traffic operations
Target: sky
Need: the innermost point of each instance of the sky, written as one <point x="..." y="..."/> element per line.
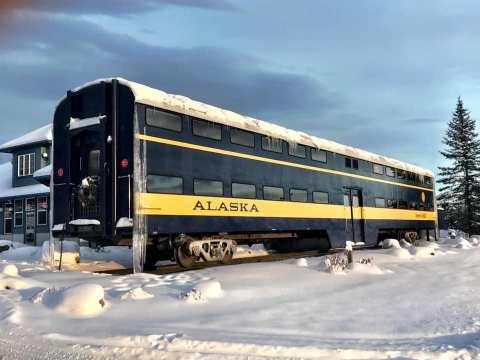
<point x="380" y="75"/>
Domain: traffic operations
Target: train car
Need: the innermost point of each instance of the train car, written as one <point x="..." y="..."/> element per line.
<point x="192" y="181"/>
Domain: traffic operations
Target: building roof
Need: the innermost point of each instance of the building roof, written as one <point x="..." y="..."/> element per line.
<point x="43" y="134"/>
<point x="7" y="191"/>
<point x="157" y="98"/>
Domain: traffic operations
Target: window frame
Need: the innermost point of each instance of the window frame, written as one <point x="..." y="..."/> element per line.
<point x="263" y="137"/>
<point x="233" y="129"/>
<point x="211" y="180"/>
<point x="315" y="150"/>
<point x="273" y="187"/>
<point x="242" y="197"/>
<point x="375" y="168"/>
<point x="291" y="152"/>
<point x="40" y="210"/>
<point x="166" y="176"/>
<point x="215" y="125"/>
<point x="298" y="189"/>
<point x="15" y="212"/>
<point x="320" y="192"/>
<point x="31" y="164"/>
<point x="180" y="116"/>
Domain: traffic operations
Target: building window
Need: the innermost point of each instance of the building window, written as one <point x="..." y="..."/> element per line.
<point x="273" y="193"/>
<point x="164" y="184"/>
<point x="320" y="197"/>
<point x="207" y="129"/>
<point x="378" y="169"/>
<point x="44" y="156"/>
<point x="8" y="218"/>
<point x="297" y="150"/>
<point x="351" y="163"/>
<point x="379" y="202"/>
<point x="42" y="210"/>
<point x="242" y="137"/>
<point x="207" y="187"/>
<point x="319" y="155"/>
<point x="94" y="163"/>
<point x="272" y="144"/>
<point x="298" y="195"/>
<point x="389" y="171"/>
<point x="247" y="191"/>
<point x="164" y="120"/>
<point x="18" y="213"/>
<point x="25" y="164"/>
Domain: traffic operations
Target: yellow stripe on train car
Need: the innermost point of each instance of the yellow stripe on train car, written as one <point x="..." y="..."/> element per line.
<point x="193" y="205"/>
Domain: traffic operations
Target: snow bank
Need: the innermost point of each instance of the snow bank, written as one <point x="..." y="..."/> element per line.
<point x="400" y="253"/>
<point x="463" y="244"/>
<point x="70" y="252"/>
<point x="83" y="300"/>
<point x="204" y="291"/>
<point x="10" y="270"/>
<point x="404" y="243"/>
<point x="391" y="243"/>
<point x="137" y="294"/>
<point x="302" y="262"/>
<point x="422" y="251"/>
<point x="369" y="268"/>
<point x="19" y="254"/>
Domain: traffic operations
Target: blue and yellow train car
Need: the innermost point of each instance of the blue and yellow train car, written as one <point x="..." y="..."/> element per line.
<point x="197" y="180"/>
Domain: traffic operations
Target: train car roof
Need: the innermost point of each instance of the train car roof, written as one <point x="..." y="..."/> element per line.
<point x="157" y="98"/>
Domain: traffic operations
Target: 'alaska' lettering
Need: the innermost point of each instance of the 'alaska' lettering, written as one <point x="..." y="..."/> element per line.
<point x="225" y="206"/>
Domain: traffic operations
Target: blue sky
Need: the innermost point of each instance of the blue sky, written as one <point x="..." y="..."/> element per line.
<point x="380" y="75"/>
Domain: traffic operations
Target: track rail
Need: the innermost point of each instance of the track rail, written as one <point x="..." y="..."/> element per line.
<point x="174" y="268"/>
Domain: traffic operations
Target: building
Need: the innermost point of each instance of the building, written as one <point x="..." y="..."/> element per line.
<point x="24" y="202"/>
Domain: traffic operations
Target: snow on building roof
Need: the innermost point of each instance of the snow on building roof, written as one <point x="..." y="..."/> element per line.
<point x="157" y="98"/>
<point x="6" y="189"/>
<point x="39" y="135"/>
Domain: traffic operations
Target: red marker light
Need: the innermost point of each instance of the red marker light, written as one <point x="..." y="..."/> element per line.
<point x="124" y="163"/>
<point x="60" y="172"/>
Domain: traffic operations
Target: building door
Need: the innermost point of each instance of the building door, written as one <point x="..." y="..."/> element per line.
<point x="354" y="218"/>
<point x="30" y="221"/>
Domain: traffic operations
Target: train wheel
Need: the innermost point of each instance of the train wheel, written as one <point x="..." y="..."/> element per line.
<point x="182" y="258"/>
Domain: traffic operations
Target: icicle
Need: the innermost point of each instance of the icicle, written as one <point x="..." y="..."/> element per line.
<point x="139" y="241"/>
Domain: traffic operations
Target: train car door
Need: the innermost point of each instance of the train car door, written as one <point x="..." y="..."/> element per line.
<point x="354" y="217"/>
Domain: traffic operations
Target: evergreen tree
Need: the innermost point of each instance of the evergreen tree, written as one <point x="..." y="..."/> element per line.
<point x="459" y="195"/>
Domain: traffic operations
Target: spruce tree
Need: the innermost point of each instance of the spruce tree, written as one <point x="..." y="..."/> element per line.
<point x="459" y="194"/>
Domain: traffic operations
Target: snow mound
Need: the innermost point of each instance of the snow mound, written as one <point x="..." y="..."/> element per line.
<point x="369" y="268"/>
<point x="204" y="291"/>
<point x="391" y="243"/>
<point x="70" y="252"/>
<point x="463" y="244"/>
<point x="19" y="254"/>
<point x="422" y="251"/>
<point x="16" y="282"/>
<point x="137" y="294"/>
<point x="425" y="243"/>
<point x="83" y="300"/>
<point x="400" y="253"/>
<point x="10" y="270"/>
<point x="302" y="262"/>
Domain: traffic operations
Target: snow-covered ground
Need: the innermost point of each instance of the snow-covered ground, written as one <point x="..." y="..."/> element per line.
<point x="401" y="303"/>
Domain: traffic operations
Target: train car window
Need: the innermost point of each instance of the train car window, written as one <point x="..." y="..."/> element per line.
<point x="402" y="204"/>
<point x="272" y="144"/>
<point x="428" y="180"/>
<point x="411" y="176"/>
<point x="298" y="195"/>
<point x="164" y="120"/>
<point x="242" y="137"/>
<point x="355" y="164"/>
<point x="243" y="191"/>
<point x="379" y="202"/>
<point x="320" y="197"/>
<point x="164" y="184"/>
<point x="207" y="129"/>
<point x="319" y="155"/>
<point x="421" y="179"/>
<point x="348" y="162"/>
<point x="94" y="163"/>
<point x="207" y="187"/>
<point x="297" y="150"/>
<point x="391" y="203"/>
<point x="273" y="193"/>
<point x="401" y="174"/>
<point x="389" y="171"/>
<point x="378" y="169"/>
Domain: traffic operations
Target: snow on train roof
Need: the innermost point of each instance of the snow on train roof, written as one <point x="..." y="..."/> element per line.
<point x="38" y="135"/>
<point x="157" y="98"/>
